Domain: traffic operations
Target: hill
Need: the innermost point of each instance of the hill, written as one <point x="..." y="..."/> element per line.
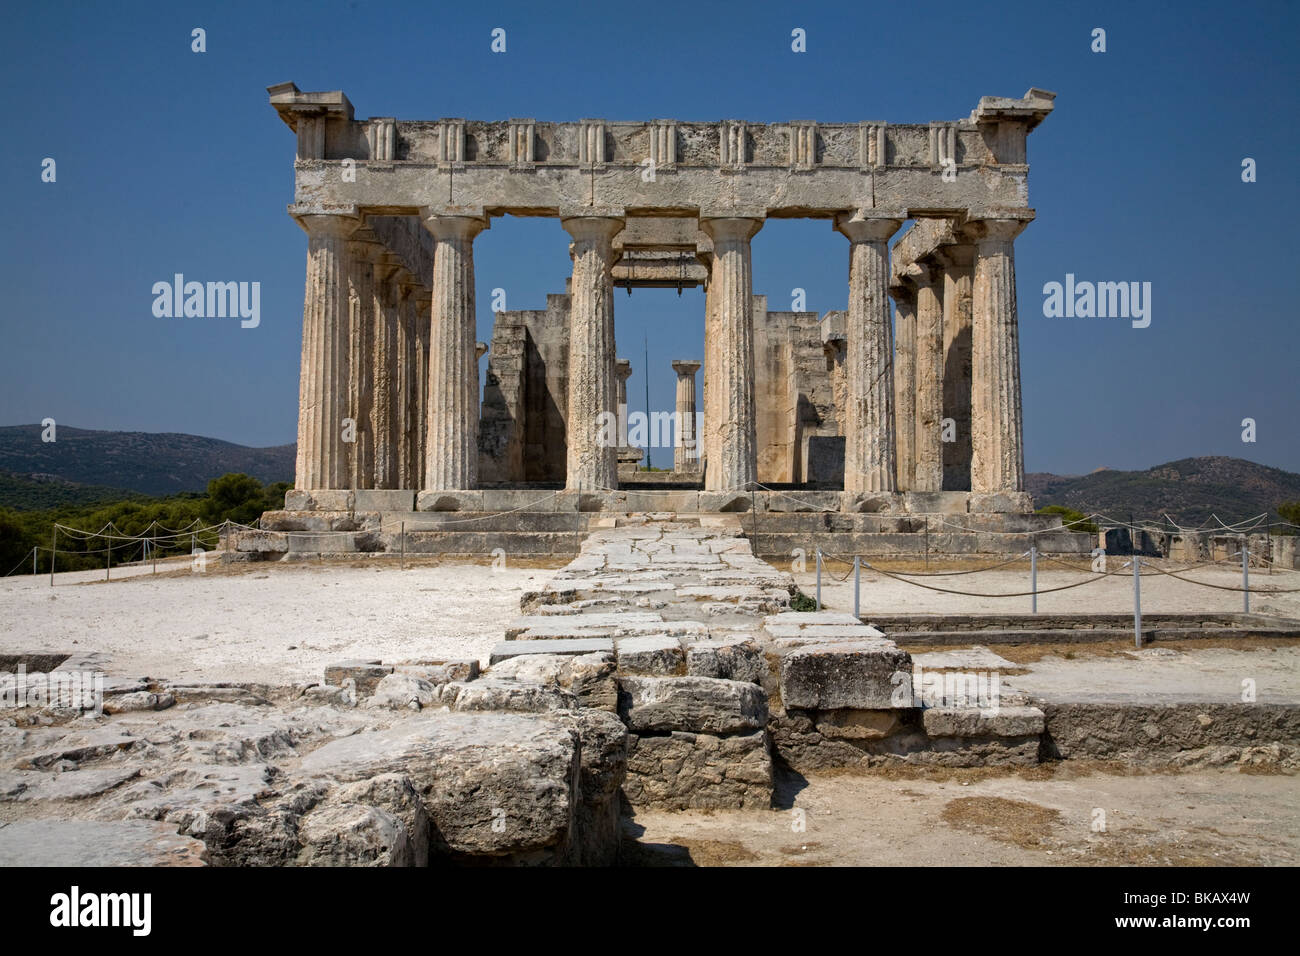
<point x="148" y="463"/>
<point x="1189" y="490"/>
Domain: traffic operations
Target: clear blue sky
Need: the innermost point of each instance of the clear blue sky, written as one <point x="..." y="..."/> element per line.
<point x="171" y="161"/>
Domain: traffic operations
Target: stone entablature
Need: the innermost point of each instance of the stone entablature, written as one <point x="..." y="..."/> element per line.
<point x="526" y="167"/>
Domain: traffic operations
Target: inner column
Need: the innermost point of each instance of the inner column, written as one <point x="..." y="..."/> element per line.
<point x="451" y="456"/>
<point x="732" y="456"/>
<point x="591" y="433"/>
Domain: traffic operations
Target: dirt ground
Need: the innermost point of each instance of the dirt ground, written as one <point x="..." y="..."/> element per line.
<point x="268" y="623"/>
<point x="278" y="623"/>
<point x="1052" y="815"/>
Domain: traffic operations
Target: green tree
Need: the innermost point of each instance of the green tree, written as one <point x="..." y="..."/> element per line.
<point x="1073" y="520"/>
<point x="236" y="497"/>
<point x="1290" y="512"/>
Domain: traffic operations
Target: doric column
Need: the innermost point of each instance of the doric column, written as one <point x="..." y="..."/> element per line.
<point x="423" y="317"/>
<point x="869" y="453"/>
<point x="958" y="276"/>
<point x="384" y="420"/>
<point x="928" y="445"/>
<point x="732" y="453"/>
<point x="404" y="377"/>
<point x="366" y="254"/>
<point x="686" y="453"/>
<point x="904" y="384"/>
<point x="592" y="461"/>
<point x="451" y="456"/>
<point x="997" y="450"/>
<point x="322" y="384"/>
<point x="622" y="372"/>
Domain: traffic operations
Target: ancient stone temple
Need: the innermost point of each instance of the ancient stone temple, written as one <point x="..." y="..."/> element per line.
<point x="914" y="413"/>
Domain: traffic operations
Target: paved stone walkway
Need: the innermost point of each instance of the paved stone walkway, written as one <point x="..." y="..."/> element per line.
<point x="650" y="589"/>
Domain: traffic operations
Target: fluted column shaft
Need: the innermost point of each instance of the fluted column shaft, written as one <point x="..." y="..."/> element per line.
<point x="422" y="319"/>
<point x="927" y="444"/>
<point x="592" y="450"/>
<point x="451" y="454"/>
<point x="958" y="278"/>
<point x="384" y="412"/>
<point x="404" y="373"/>
<point x="322" y="383"/>
<point x="905" y="386"/>
<point x="365" y="254"/>
<point x="870" y="458"/>
<point x="686" y="453"/>
<point x="732" y="453"/>
<point x="997" y="448"/>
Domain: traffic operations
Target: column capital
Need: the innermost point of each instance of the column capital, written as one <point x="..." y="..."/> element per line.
<point x="321" y="222"/>
<point x="997" y="225"/>
<point x="366" y="245"/>
<point x="732" y="224"/>
<point x="869" y="224"/>
<point x="454" y="222"/>
<point x="601" y="223"/>
<point x="923" y="274"/>
<point x="685" y="367"/>
<point x="623" y="369"/>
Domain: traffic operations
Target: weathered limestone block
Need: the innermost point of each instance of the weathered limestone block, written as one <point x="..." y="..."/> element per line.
<point x="603" y="768"/>
<point x="404" y="691"/>
<point x="588" y="677"/>
<point x="983" y="722"/>
<point x="693" y="704"/>
<point x="449" y="501"/>
<point x="736" y="658"/>
<point x="683" y="771"/>
<point x="490" y="693"/>
<point x="857" y="724"/>
<point x="391" y="499"/>
<point x="577" y="646"/>
<point x="352" y="834"/>
<point x="366" y="674"/>
<point x="137" y="701"/>
<point x="441" y="672"/>
<point x="83" y="843"/>
<point x="870" y="503"/>
<point x="261" y="542"/>
<point x="852" y="674"/>
<point x="651" y="656"/>
<point x="470" y="770"/>
<point x="979" y="752"/>
<point x="831" y="739"/>
<point x="1006" y="502"/>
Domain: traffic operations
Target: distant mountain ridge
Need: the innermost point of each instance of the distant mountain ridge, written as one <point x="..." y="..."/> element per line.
<point x="1189" y="490"/>
<point x="151" y="463"/>
<point x="85" y="465"/>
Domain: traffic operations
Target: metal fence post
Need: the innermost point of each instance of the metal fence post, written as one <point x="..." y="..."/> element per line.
<point x="819" y="579"/>
<point x="403" y="564"/>
<point x="857" y="585"/>
<point x="1245" y="577"/>
<point x="1033" y="579"/>
<point x="1137" y="600"/>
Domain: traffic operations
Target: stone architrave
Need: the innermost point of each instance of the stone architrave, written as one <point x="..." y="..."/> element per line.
<point x="322" y="386"/>
<point x="997" y="449"/>
<point x="869" y="451"/>
<point x="451" y="455"/>
<point x="732" y="454"/>
<point x="686" y="452"/>
<point x="592" y="456"/>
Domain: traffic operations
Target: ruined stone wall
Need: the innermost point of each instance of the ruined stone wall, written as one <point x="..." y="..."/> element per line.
<point x="522" y="429"/>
